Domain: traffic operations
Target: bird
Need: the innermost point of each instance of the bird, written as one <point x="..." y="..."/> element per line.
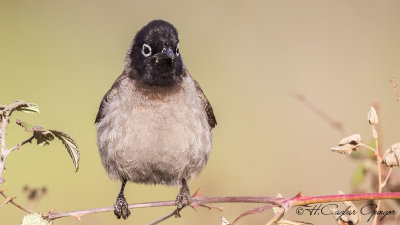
<point x="154" y="124"/>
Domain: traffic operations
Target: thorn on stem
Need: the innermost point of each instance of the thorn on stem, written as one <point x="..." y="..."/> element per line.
<point x="196" y="193"/>
<point x="78" y="217"/>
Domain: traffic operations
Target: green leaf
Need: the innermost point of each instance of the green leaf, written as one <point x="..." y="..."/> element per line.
<point x="70" y="145"/>
<point x="358" y="175"/>
<point x="35" y="219"/>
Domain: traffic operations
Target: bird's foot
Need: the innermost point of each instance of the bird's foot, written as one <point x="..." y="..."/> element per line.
<point x="121" y="208"/>
<point x="182" y="199"/>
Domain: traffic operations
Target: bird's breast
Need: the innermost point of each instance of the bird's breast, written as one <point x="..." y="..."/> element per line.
<point x="154" y="138"/>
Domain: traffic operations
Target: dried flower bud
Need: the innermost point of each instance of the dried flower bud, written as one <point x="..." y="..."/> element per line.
<point x="373" y="117"/>
<point x="392" y="155"/>
<point x="354" y="139"/>
<point x="344" y="149"/>
<point x="348" y="144"/>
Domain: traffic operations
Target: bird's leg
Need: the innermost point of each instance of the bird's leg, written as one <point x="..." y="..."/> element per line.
<point x="121" y="206"/>
<point x="183" y="198"/>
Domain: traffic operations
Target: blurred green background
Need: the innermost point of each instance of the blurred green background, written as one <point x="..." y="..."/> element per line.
<point x="248" y="56"/>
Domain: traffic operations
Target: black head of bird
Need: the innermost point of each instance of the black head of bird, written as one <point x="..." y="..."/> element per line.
<point x="155" y="54"/>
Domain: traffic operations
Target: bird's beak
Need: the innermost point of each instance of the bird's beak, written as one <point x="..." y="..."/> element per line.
<point x="166" y="53"/>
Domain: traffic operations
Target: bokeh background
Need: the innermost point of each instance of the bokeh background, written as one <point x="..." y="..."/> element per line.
<point x="248" y="56"/>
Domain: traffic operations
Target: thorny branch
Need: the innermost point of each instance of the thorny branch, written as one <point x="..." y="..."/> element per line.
<point x="11" y="200"/>
<point x="4" y="151"/>
<point x="285" y="203"/>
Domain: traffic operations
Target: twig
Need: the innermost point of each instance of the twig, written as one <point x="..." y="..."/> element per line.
<point x="335" y="124"/>
<point x="29" y="140"/>
<point x="387" y="178"/>
<point x="375" y="127"/>
<point x="11" y="200"/>
<point x="176" y="211"/>
<point x="3" y="154"/>
<point x="276" y="217"/>
<point x="253" y="211"/>
<point x="299" y="200"/>
<point x="367" y="147"/>
<point x="4" y="151"/>
<point x="163" y="218"/>
<point x="395" y="89"/>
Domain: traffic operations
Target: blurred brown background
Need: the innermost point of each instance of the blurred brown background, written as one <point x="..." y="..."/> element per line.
<point x="248" y="56"/>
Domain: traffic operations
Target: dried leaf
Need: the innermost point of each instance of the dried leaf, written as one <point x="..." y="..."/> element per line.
<point x="348" y="144"/>
<point x="42" y="136"/>
<point x="392" y="155"/>
<point x="344" y="149"/>
<point x="27" y="107"/>
<point x="45" y="137"/>
<point x="373" y="116"/>
<point x="70" y="145"/>
<point x="21" y="106"/>
<point x="35" y="219"/>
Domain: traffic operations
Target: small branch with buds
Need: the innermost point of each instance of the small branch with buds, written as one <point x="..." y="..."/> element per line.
<point x="390" y="158"/>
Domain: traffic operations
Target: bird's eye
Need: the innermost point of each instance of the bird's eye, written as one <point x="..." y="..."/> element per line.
<point x="177" y="50"/>
<point x="146" y="50"/>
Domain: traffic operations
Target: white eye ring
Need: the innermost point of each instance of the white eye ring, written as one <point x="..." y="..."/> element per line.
<point x="177" y="50"/>
<point x="146" y="50"/>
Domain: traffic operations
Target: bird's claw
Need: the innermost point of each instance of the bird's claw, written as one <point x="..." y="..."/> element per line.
<point x="121" y="208"/>
<point x="182" y="200"/>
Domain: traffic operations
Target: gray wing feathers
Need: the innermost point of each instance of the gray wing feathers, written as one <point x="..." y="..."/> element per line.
<point x="207" y="106"/>
<point x="109" y="95"/>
